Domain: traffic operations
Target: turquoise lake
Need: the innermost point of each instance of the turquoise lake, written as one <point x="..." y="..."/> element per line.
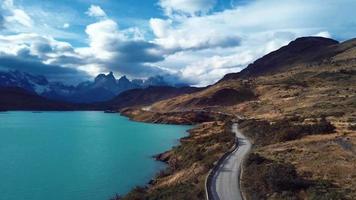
<point x="78" y="155"/>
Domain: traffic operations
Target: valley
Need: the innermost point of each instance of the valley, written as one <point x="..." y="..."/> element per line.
<point x="299" y="116"/>
<point x="297" y="106"/>
<point x="178" y="100"/>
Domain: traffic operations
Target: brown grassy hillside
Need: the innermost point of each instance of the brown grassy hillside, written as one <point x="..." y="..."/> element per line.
<point x="299" y="105"/>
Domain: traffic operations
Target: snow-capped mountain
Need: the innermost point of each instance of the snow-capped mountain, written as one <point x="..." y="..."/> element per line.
<point x="103" y="88"/>
<point x="36" y="84"/>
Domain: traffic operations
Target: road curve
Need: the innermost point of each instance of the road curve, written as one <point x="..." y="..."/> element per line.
<point x="225" y="183"/>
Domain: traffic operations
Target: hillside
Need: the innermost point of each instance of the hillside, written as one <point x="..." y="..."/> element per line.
<point x="302" y="50"/>
<point x="147" y="96"/>
<point x="286" y="81"/>
<point x="12" y="98"/>
<point x="298" y="108"/>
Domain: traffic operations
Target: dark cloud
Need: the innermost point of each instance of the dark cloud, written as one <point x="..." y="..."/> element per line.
<point x="1" y="20"/>
<point x="42" y="47"/>
<point x="135" y="59"/>
<point x="176" y="79"/>
<point x="135" y="70"/>
<point x="139" y="52"/>
<point x="25" y="53"/>
<point x="132" y="58"/>
<point x="224" y="42"/>
<point x="227" y="42"/>
<point x="72" y="60"/>
<point x="52" y="72"/>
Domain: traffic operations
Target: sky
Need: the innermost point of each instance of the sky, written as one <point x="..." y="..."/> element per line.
<point x="191" y="41"/>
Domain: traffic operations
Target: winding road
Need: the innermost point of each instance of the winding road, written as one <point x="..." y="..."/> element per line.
<point x="225" y="183"/>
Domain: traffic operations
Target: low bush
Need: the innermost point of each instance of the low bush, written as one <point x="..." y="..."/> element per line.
<point x="264" y="132"/>
<point x="266" y="177"/>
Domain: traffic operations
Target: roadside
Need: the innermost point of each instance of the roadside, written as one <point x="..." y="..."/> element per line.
<point x="295" y="160"/>
<point x="224" y="183"/>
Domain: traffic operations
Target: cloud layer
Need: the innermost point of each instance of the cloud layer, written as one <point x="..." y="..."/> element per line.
<point x="95" y="11"/>
<point x="209" y="46"/>
<point x="186" y="7"/>
<point x="192" y="41"/>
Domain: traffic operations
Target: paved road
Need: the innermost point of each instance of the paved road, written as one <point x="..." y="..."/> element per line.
<point x="225" y="184"/>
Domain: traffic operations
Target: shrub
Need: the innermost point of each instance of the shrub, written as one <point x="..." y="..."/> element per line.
<point x="264" y="132"/>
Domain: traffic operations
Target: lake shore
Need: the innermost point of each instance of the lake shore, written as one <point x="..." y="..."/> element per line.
<point x="190" y="161"/>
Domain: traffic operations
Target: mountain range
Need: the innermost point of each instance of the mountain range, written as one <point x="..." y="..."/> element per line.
<point x="15" y="98"/>
<point x="103" y="88"/>
<point x="296" y="104"/>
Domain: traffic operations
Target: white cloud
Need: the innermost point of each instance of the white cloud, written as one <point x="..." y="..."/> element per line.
<point x="193" y="40"/>
<point x="20" y="17"/>
<point x="121" y="50"/>
<point x="95" y="11"/>
<point x="208" y="46"/>
<point x="16" y="15"/>
<point x="7" y="4"/>
<point x="190" y="7"/>
<point x="66" y="25"/>
<point x="160" y="26"/>
<point x="206" y="66"/>
<point x="325" y="34"/>
<point x="43" y="47"/>
<point x="104" y="36"/>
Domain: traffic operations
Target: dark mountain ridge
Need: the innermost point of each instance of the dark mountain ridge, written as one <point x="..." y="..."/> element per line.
<point x="147" y="96"/>
<point x="300" y="51"/>
<point x="14" y="98"/>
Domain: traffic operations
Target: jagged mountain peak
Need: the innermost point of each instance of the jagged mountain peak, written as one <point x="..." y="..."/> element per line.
<point x="155" y="81"/>
<point x="123" y="79"/>
<point x="102" y="77"/>
<point x="103" y="88"/>
<point x="30" y="82"/>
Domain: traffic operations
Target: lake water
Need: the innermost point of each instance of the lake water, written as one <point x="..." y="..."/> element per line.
<point x="78" y="155"/>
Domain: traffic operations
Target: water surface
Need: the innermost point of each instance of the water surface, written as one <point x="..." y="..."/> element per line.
<point x="78" y="155"/>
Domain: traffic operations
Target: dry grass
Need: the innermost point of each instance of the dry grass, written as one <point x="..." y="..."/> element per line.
<point x="310" y="91"/>
<point x="321" y="157"/>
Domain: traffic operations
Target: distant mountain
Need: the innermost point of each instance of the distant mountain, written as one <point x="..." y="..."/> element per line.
<point x="14" y="98"/>
<point x="36" y="84"/>
<point x="147" y="96"/>
<point x="103" y="88"/>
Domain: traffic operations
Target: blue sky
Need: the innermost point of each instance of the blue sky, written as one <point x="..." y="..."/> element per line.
<point x="192" y="41"/>
<point x="127" y="13"/>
